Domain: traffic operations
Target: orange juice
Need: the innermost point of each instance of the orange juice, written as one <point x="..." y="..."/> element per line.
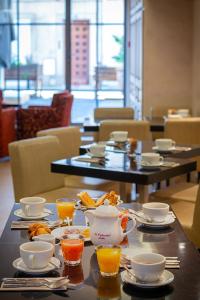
<point x="65" y="209"/>
<point x="108" y="260"/>
<point x="72" y="250"/>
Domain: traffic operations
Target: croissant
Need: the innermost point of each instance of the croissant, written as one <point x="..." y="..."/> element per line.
<point x="36" y="229"/>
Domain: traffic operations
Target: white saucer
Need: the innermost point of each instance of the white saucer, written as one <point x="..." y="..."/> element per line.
<point x="19" y="213"/>
<point x="150" y="167"/>
<point x="20" y="265"/>
<point x="168" y="221"/>
<point x="166" y="278"/>
<point x="97" y="155"/>
<point x="166" y="150"/>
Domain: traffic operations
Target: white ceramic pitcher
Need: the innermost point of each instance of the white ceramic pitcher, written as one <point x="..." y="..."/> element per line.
<point x="105" y="225"/>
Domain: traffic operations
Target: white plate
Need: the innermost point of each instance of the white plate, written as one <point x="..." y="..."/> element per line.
<point x="79" y="205"/>
<point x="114" y="143"/>
<point x="60" y="231"/>
<point x="151" y="167"/>
<point x="168" y="221"/>
<point x="166" y="150"/>
<point x="19" y="213"/>
<point x="97" y="155"/>
<point x="20" y="265"/>
<point x="166" y="278"/>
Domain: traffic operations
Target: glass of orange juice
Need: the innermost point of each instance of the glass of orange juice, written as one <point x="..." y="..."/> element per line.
<point x="65" y="209"/>
<point x="72" y="248"/>
<point x="108" y="258"/>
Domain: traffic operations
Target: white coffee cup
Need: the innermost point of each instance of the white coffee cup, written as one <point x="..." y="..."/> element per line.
<point x="151" y="159"/>
<point x="36" y="255"/>
<point x="148" y="267"/>
<point x="119" y="136"/>
<point x="32" y="206"/>
<point x="155" y="211"/>
<point x="97" y="149"/>
<point x="164" y="144"/>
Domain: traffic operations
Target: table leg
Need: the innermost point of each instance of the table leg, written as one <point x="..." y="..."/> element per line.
<point x="122" y="191"/>
<point x="143" y="191"/>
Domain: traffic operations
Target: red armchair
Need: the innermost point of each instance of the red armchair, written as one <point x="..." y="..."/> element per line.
<point x="33" y="119"/>
<point x="7" y="127"/>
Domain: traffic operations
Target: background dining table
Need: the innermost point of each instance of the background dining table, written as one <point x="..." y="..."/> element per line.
<point x="119" y="166"/>
<point x="170" y="241"/>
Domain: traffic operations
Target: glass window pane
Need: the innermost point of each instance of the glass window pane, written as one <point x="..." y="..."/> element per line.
<point x="83" y="10"/>
<point x="52" y="11"/>
<point x="10" y="97"/>
<point x="110" y="98"/>
<point x="83" y="106"/>
<point x="42" y="57"/>
<point x="111" y="59"/>
<point x="83" y="55"/>
<point x="111" y="11"/>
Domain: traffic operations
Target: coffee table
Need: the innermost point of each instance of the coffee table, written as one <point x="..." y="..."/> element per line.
<point x="169" y="242"/>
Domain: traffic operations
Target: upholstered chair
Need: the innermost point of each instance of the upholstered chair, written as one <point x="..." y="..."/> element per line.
<point x="33" y="119"/>
<point x="184" y="131"/>
<point x="137" y="129"/>
<point x="31" y="170"/>
<point x="7" y="127"/>
<point x="185" y="203"/>
<point x="109" y="113"/>
<point x="70" y="141"/>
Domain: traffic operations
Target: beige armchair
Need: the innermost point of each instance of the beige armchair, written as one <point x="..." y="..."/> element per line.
<point x="185" y="202"/>
<point x="184" y="131"/>
<point x="70" y="141"/>
<point x="31" y="170"/>
<point x="137" y="129"/>
<point x="109" y="113"/>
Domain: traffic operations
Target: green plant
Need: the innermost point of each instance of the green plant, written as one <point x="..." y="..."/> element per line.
<point x="119" y="58"/>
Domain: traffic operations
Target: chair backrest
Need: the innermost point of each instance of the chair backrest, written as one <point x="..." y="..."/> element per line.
<point x="111" y="113"/>
<point x="62" y="102"/>
<point x="31" y="166"/>
<point x="196" y="221"/>
<point x="137" y="129"/>
<point x="183" y="131"/>
<point x="69" y="138"/>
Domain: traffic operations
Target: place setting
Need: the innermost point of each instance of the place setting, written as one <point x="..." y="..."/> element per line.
<point x="96" y="154"/>
<point x="32" y="208"/>
<point x="148" y="270"/>
<point x="118" y="141"/>
<point x="155" y="215"/>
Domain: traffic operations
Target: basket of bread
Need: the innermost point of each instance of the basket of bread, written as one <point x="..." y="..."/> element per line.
<point x="87" y="201"/>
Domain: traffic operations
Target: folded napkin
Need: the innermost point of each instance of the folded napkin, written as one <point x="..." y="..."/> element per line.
<point x="22" y="224"/>
<point x="31" y="284"/>
<point x="170" y="164"/>
<point x="177" y="148"/>
<point x="90" y="159"/>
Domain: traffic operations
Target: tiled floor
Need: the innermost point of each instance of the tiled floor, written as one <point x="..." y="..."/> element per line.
<point x="6" y="192"/>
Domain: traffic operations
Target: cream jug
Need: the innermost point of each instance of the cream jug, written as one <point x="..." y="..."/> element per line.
<point x="105" y="225"/>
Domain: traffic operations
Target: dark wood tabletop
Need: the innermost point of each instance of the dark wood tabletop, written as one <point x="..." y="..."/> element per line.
<point x="119" y="167"/>
<point x="157" y="124"/>
<point x="169" y="242"/>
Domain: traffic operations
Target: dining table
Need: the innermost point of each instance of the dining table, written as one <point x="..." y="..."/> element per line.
<point x="157" y="124"/>
<point x="169" y="241"/>
<point x="120" y="166"/>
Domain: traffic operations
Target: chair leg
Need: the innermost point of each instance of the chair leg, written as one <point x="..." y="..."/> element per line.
<point x="198" y="177"/>
<point x="189" y="177"/>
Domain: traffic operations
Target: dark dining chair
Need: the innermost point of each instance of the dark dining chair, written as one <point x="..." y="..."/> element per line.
<point x="7" y="127"/>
